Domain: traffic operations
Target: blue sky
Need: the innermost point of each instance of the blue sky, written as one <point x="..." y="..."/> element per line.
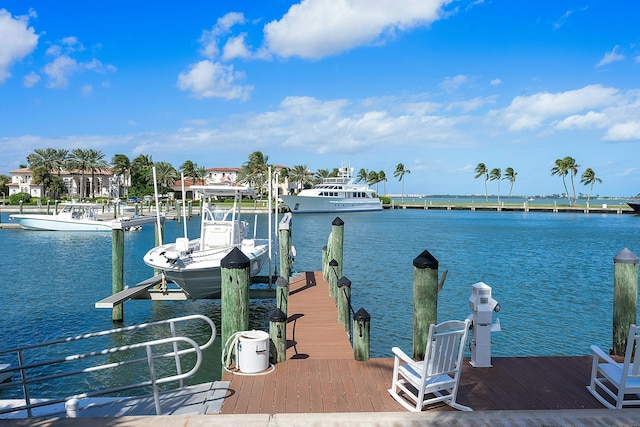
<point x="439" y="86"/>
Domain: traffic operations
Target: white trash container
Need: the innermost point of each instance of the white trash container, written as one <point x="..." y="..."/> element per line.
<point x="252" y="351"/>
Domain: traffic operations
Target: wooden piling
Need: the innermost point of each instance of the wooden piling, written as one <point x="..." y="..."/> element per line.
<point x="282" y="294"/>
<point x="625" y="298"/>
<point x="361" y="335"/>
<point x="278" y="335"/>
<point x="284" y="237"/>
<point x="324" y="262"/>
<point x="344" y="300"/>
<point x="235" y="269"/>
<point x="425" y="300"/>
<point x="117" y="270"/>
<point x="337" y="240"/>
<point x="332" y="279"/>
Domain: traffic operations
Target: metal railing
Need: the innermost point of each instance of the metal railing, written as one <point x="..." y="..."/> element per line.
<point x="44" y="371"/>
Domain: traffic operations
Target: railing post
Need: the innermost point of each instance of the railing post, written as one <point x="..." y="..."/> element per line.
<point x="234" y="297"/>
<point x="278" y="335"/>
<point x="117" y="269"/>
<point x="425" y="300"/>
<point x="625" y="298"/>
<point x="361" y="335"/>
<point x="344" y="299"/>
<point x="324" y="262"/>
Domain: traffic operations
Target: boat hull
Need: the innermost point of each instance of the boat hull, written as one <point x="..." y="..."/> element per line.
<point x="50" y="223"/>
<point x="323" y="204"/>
<point x="202" y="279"/>
<point x="635" y="207"/>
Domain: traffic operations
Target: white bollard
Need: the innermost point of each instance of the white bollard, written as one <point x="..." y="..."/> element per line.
<point x="72" y="406"/>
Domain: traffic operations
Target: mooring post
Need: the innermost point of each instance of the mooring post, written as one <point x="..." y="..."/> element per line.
<point x="332" y="273"/>
<point x="625" y="298"/>
<point x="337" y="240"/>
<point x="56" y="206"/>
<point x="20" y="203"/>
<point x="425" y="300"/>
<point x="48" y="206"/>
<point x="178" y="211"/>
<point x="190" y="209"/>
<point x="278" y="335"/>
<point x="282" y="294"/>
<point x="344" y="298"/>
<point x="117" y="269"/>
<point x="284" y="234"/>
<point x="235" y="293"/>
<point x="361" y="335"/>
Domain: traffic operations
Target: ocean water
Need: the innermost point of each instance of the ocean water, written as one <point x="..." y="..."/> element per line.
<point x="552" y="274"/>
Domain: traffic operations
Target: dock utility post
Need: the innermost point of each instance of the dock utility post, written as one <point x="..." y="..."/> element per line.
<point x="482" y="307"/>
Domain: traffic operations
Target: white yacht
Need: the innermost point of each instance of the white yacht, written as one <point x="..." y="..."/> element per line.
<point x="194" y="265"/>
<point x="335" y="194"/>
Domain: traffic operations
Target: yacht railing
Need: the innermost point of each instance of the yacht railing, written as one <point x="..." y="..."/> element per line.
<point x="43" y="371"/>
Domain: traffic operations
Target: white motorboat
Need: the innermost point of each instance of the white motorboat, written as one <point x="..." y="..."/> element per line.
<point x="194" y="265"/>
<point x="335" y="194"/>
<point x="72" y="217"/>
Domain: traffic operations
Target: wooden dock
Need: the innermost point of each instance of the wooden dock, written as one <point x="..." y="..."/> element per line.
<point x="320" y="374"/>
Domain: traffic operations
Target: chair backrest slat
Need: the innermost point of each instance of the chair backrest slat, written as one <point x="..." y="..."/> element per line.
<point x="445" y="347"/>
<point x="633" y="350"/>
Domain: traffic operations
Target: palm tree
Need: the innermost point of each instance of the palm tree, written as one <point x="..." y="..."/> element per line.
<point x="45" y="157"/>
<point x="495" y="175"/>
<point x="372" y="179"/>
<point x="362" y="175"/>
<point x="80" y="159"/>
<point x="300" y="175"/>
<point x="572" y="168"/>
<point x="399" y="173"/>
<point x="200" y="173"/>
<point x="589" y="178"/>
<point x="166" y="174"/>
<point x="254" y="170"/>
<point x="121" y="167"/>
<point x="320" y="175"/>
<point x="510" y="174"/>
<point x="560" y="169"/>
<point x="382" y="177"/>
<point x="141" y="174"/>
<point x="97" y="163"/>
<point x="481" y="170"/>
<point x="188" y="168"/>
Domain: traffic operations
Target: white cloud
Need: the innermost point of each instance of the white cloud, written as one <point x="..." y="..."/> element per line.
<point x="495" y="82"/>
<point x="60" y="70"/>
<point x="86" y="90"/>
<point x="317" y="28"/>
<point x="451" y="84"/>
<point x="210" y="38"/>
<point x="470" y="104"/>
<point x="207" y="79"/>
<point x="17" y="40"/>
<point x="530" y="112"/>
<point x="31" y="79"/>
<point x="628" y="131"/>
<point x="610" y="57"/>
<point x="235" y="48"/>
<point x="584" y="121"/>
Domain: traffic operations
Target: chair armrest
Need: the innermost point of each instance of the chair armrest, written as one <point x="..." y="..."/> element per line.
<point x="597" y="352"/>
<point x="402" y="355"/>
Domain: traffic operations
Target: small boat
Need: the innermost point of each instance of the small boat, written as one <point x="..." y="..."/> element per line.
<point x="194" y="265"/>
<point x="635" y="207"/>
<point x="72" y="217"/>
<point x="335" y="194"/>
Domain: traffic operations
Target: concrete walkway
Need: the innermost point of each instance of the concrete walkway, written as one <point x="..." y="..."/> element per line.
<point x="562" y="417"/>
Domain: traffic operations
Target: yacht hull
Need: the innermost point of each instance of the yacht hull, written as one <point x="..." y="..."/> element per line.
<point x="323" y="204"/>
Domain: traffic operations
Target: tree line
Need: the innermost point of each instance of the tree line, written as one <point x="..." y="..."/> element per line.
<point x="564" y="167"/>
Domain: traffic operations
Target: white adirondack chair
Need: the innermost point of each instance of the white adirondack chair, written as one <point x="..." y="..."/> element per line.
<point x="436" y="378"/>
<point x="619" y="381"/>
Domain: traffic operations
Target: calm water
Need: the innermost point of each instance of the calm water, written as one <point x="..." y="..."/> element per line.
<point x="551" y="273"/>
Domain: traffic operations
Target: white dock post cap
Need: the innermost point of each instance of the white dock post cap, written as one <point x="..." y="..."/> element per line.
<point x="71" y="406"/>
<point x="625" y="256"/>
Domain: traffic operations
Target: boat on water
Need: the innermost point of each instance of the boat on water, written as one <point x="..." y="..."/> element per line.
<point x="72" y="217"/>
<point x="335" y="194"/>
<point x="194" y="264"/>
<point x="635" y="207"/>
